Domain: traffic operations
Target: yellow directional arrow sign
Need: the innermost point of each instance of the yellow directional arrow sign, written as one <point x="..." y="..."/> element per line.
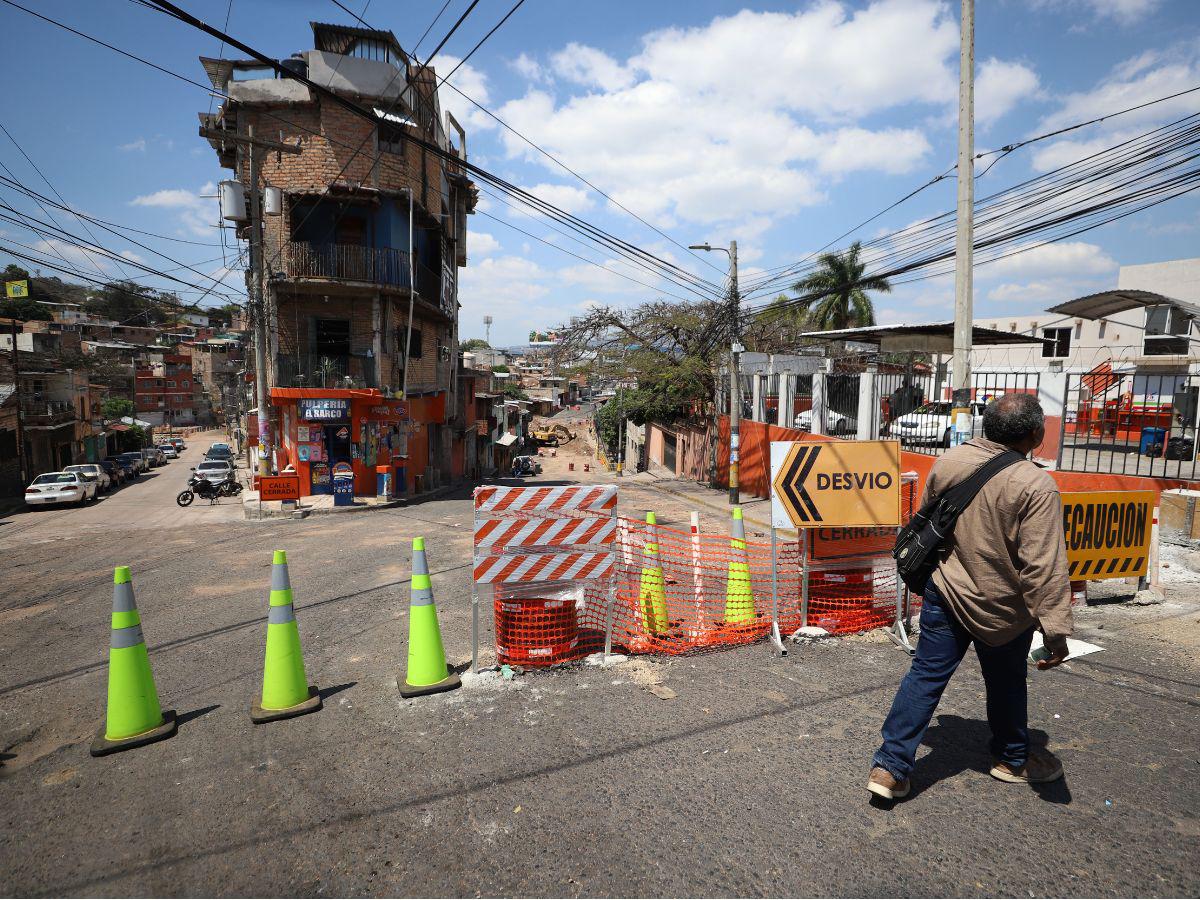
<point x="835" y="483"/>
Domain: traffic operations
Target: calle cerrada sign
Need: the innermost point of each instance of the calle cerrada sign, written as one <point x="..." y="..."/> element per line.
<point x="835" y="483"/>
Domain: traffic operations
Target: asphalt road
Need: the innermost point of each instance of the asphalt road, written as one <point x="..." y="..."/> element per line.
<point x="580" y="781"/>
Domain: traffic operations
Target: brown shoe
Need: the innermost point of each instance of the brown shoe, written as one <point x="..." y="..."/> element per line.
<point x="1041" y="767"/>
<point x="883" y="783"/>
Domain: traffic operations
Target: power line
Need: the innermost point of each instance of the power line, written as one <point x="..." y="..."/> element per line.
<point x="428" y="28"/>
<point x="482" y="40"/>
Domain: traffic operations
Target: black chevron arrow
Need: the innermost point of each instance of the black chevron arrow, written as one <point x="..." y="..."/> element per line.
<point x="791" y="484"/>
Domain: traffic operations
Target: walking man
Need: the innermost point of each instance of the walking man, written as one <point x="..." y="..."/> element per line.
<point x="1002" y="573"/>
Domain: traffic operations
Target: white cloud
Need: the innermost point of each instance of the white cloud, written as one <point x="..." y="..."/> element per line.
<point x="474" y="84"/>
<point x="591" y="67"/>
<point x="1041" y="292"/>
<point x="132" y="257"/>
<point x="530" y="69"/>
<point x="1124" y="11"/>
<point x="480" y="243"/>
<point x="569" y="199"/>
<point x="1063" y="259"/>
<point x="134" y="146"/>
<point x="76" y="256"/>
<point x="1137" y="80"/>
<point x="754" y="114"/>
<point x="197" y="214"/>
<point x="1000" y="86"/>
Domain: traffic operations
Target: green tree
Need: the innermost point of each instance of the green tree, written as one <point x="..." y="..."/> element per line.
<point x="475" y="344"/>
<point x="510" y="389"/>
<point x="115" y="408"/>
<point x="500" y="370"/>
<point x="835" y="295"/>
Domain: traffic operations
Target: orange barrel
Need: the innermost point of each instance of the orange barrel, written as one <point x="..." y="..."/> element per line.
<point x="535" y="631"/>
<point x="843" y="600"/>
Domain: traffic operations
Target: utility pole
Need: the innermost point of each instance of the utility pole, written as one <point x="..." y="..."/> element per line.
<point x="735" y="354"/>
<point x="254" y="278"/>
<point x="259" y="313"/>
<point x="964" y="245"/>
<point x="487" y="330"/>
<point x="735" y="378"/>
<point x="16" y="355"/>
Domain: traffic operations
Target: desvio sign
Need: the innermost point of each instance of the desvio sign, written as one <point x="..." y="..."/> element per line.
<point x="278" y="487"/>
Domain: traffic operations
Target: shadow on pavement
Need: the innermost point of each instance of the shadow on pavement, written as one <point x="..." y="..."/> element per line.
<point x="328" y="692"/>
<point x="183" y="718"/>
<point x="958" y="745"/>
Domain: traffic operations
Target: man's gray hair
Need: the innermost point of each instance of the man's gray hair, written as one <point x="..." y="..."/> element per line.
<point x="1012" y="418"/>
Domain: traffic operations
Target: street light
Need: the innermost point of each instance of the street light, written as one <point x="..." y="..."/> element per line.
<point x="735" y="349"/>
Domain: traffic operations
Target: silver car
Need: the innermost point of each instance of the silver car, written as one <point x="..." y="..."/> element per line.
<point x="93" y="471"/>
<point x="214" y="470"/>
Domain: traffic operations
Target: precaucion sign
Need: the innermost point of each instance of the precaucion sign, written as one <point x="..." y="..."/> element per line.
<point x="1108" y="533"/>
<point x="835" y="484"/>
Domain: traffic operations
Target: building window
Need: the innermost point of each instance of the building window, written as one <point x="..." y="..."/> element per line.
<point x="380" y="51"/>
<point x="1056" y="343"/>
<point x="391" y="138"/>
<point x="1167" y="331"/>
<point x="402" y="339"/>
<point x="170" y="384"/>
<point x="1103" y="326"/>
<point x="331" y="337"/>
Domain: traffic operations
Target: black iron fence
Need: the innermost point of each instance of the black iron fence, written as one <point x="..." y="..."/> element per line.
<point x="917" y="410"/>
<point x="1130" y="424"/>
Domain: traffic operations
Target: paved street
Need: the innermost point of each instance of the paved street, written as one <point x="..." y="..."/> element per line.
<point x="574" y="782"/>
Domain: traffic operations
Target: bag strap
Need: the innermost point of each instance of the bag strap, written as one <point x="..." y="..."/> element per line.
<point x="959" y="497"/>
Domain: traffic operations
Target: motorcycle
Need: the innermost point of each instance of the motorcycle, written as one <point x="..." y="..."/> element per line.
<point x="230" y="487"/>
<point x="202" y="487"/>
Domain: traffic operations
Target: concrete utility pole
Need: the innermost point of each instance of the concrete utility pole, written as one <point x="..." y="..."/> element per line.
<point x="260" y="315"/>
<point x="735" y="352"/>
<point x="255" y="278"/>
<point x="964" y="246"/>
<point x="16" y="367"/>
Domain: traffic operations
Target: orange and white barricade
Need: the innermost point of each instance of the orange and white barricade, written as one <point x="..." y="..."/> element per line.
<point x="549" y="554"/>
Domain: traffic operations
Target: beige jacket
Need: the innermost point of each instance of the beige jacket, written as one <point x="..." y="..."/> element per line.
<point x="1005" y="567"/>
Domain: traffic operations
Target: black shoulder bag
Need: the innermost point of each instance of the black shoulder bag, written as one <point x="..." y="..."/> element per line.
<point x="918" y="543"/>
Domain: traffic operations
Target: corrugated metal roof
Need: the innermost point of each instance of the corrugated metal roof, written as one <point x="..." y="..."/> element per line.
<point x="1109" y="303"/>
<point x="875" y="334"/>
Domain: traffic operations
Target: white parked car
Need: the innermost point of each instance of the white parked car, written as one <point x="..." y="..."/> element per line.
<point x="835" y="422"/>
<point x="214" y="470"/>
<point x="169" y="451"/>
<point x="930" y="423"/>
<point x="93" y="470"/>
<point x="60" y="487"/>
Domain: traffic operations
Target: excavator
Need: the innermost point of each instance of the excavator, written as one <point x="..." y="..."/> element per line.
<point x="552" y="434"/>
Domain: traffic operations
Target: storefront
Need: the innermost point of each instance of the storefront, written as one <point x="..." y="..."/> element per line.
<point x="331" y="433"/>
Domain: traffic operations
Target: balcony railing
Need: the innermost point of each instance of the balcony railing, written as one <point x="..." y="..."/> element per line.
<point x="371" y="265"/>
<point x="46" y="412"/>
<point x="318" y="371"/>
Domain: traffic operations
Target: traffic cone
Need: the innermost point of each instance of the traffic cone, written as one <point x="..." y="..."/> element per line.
<point x="134" y="717"/>
<point x="652" y="596"/>
<point x="286" y="692"/>
<point x="427" y="669"/>
<point x="739" y="599"/>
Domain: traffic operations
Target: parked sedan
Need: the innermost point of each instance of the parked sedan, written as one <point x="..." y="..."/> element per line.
<point x="835" y="422"/>
<point x="169" y="451"/>
<point x="59" y="487"/>
<point x="219" y="451"/>
<point x="179" y="445"/>
<point x="129" y="467"/>
<point x="215" y="470"/>
<point x="140" y="462"/>
<point x="116" y="473"/>
<point x="93" y="472"/>
<point x="154" y="458"/>
<point x="930" y="423"/>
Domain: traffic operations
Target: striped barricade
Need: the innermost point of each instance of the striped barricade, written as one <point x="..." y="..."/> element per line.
<point x="546" y="551"/>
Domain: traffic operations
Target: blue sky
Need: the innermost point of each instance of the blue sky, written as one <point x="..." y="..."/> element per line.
<point x="777" y="124"/>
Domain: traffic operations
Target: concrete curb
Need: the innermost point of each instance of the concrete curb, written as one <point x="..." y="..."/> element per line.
<point x="251" y="510"/>
<point x="692" y="498"/>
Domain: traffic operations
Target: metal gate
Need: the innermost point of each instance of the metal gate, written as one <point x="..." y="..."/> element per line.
<point x="1130" y="424"/>
<point x="915" y="409"/>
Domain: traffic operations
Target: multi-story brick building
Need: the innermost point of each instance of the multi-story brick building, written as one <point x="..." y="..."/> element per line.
<point x="164" y="392"/>
<point x="356" y="299"/>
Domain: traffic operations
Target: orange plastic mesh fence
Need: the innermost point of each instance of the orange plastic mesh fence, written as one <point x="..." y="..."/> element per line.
<point x="693" y="592"/>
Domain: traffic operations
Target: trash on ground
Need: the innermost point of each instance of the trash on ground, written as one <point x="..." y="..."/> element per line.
<point x="1037" y="650"/>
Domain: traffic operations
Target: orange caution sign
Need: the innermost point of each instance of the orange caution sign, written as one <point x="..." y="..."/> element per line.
<point x="1108" y="533"/>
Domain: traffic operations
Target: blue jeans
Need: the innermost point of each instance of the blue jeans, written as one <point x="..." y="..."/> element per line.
<point x="943" y="643"/>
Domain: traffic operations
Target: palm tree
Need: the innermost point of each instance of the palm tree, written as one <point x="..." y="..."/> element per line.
<point x="835" y="295"/>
